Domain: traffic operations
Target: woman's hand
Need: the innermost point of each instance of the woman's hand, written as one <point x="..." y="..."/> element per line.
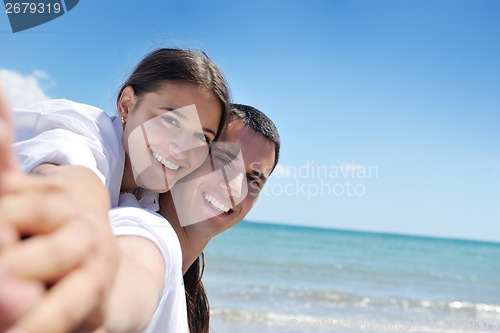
<point x="69" y="245"/>
<point x="62" y="214"/>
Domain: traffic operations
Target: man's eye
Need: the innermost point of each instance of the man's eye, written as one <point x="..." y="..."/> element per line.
<point x="222" y="160"/>
<point x="255" y="181"/>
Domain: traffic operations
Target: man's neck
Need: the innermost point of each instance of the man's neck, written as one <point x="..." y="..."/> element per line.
<point x="191" y="243"/>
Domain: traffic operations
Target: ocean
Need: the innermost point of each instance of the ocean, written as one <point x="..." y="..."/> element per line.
<point x="286" y="279"/>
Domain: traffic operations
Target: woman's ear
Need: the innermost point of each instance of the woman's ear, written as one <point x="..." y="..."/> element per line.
<point x="126" y="103"/>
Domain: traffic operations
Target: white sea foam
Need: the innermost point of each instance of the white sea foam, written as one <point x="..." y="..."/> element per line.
<point x="287" y="322"/>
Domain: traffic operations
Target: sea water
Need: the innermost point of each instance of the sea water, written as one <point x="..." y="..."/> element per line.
<point x="275" y="278"/>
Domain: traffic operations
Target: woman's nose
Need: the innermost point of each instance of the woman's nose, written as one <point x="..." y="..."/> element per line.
<point x="181" y="144"/>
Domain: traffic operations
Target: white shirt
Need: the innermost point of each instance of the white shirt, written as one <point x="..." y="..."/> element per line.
<point x="63" y="132"/>
<point x="171" y="313"/>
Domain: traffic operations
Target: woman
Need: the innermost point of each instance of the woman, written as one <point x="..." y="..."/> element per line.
<point x="166" y="144"/>
<point x="157" y="96"/>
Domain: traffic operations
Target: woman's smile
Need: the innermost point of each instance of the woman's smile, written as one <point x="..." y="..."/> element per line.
<point x="170" y="163"/>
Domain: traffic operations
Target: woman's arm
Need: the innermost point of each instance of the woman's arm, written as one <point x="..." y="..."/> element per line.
<point x="150" y="276"/>
<point x="138" y="285"/>
<point x="62" y="211"/>
<point x="70" y="251"/>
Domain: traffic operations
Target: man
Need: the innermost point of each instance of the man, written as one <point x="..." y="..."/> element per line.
<point x="219" y="195"/>
<point x="250" y="143"/>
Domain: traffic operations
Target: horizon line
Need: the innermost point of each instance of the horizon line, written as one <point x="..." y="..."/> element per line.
<point x="388" y="233"/>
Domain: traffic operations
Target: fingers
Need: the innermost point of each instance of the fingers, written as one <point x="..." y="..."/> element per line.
<point x="16" y="297"/>
<point x="71" y="244"/>
<point x="99" y="330"/>
<point x="64" y="234"/>
<point x="49" y="257"/>
<point x="4" y="108"/>
<point x="33" y="211"/>
<point x="78" y="297"/>
<point x="8" y="235"/>
<point x="7" y="157"/>
<point x="70" y="301"/>
<point x="83" y="260"/>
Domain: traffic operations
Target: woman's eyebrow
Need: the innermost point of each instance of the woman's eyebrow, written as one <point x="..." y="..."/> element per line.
<point x="175" y="111"/>
<point x="183" y="116"/>
<point x="179" y="114"/>
<point x="208" y="130"/>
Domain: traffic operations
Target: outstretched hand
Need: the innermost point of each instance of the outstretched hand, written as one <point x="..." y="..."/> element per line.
<point x="17" y="295"/>
<point x="62" y="215"/>
<point x="7" y="166"/>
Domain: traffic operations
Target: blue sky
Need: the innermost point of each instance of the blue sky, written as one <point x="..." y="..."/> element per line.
<point x="389" y="111"/>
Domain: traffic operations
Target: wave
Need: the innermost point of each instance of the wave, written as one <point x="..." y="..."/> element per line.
<point x="342" y="300"/>
<point x="237" y="315"/>
<point x="327" y="301"/>
<point x="310" y="323"/>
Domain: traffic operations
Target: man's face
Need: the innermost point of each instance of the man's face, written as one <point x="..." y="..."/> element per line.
<point x="222" y="191"/>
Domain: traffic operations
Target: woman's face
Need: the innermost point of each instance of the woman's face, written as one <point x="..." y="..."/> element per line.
<point x="167" y="133"/>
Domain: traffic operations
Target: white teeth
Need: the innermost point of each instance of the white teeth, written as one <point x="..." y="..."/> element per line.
<point x="216" y="203"/>
<point x="170" y="165"/>
<point x="165" y="162"/>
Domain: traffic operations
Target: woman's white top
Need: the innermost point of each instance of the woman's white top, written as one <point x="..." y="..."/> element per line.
<point x="63" y="132"/>
<point x="171" y="313"/>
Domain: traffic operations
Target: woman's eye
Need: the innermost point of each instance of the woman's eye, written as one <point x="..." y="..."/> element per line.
<point x="170" y="120"/>
<point x="202" y="137"/>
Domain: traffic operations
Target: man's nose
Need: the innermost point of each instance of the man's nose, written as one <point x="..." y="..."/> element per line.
<point x="235" y="185"/>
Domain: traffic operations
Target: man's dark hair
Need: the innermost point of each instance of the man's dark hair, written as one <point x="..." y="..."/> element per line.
<point x="260" y="123"/>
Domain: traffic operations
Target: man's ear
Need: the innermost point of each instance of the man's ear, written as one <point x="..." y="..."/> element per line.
<point x="126" y="103"/>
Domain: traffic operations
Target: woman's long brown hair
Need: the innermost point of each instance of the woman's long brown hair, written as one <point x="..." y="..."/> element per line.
<point x="198" y="308"/>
